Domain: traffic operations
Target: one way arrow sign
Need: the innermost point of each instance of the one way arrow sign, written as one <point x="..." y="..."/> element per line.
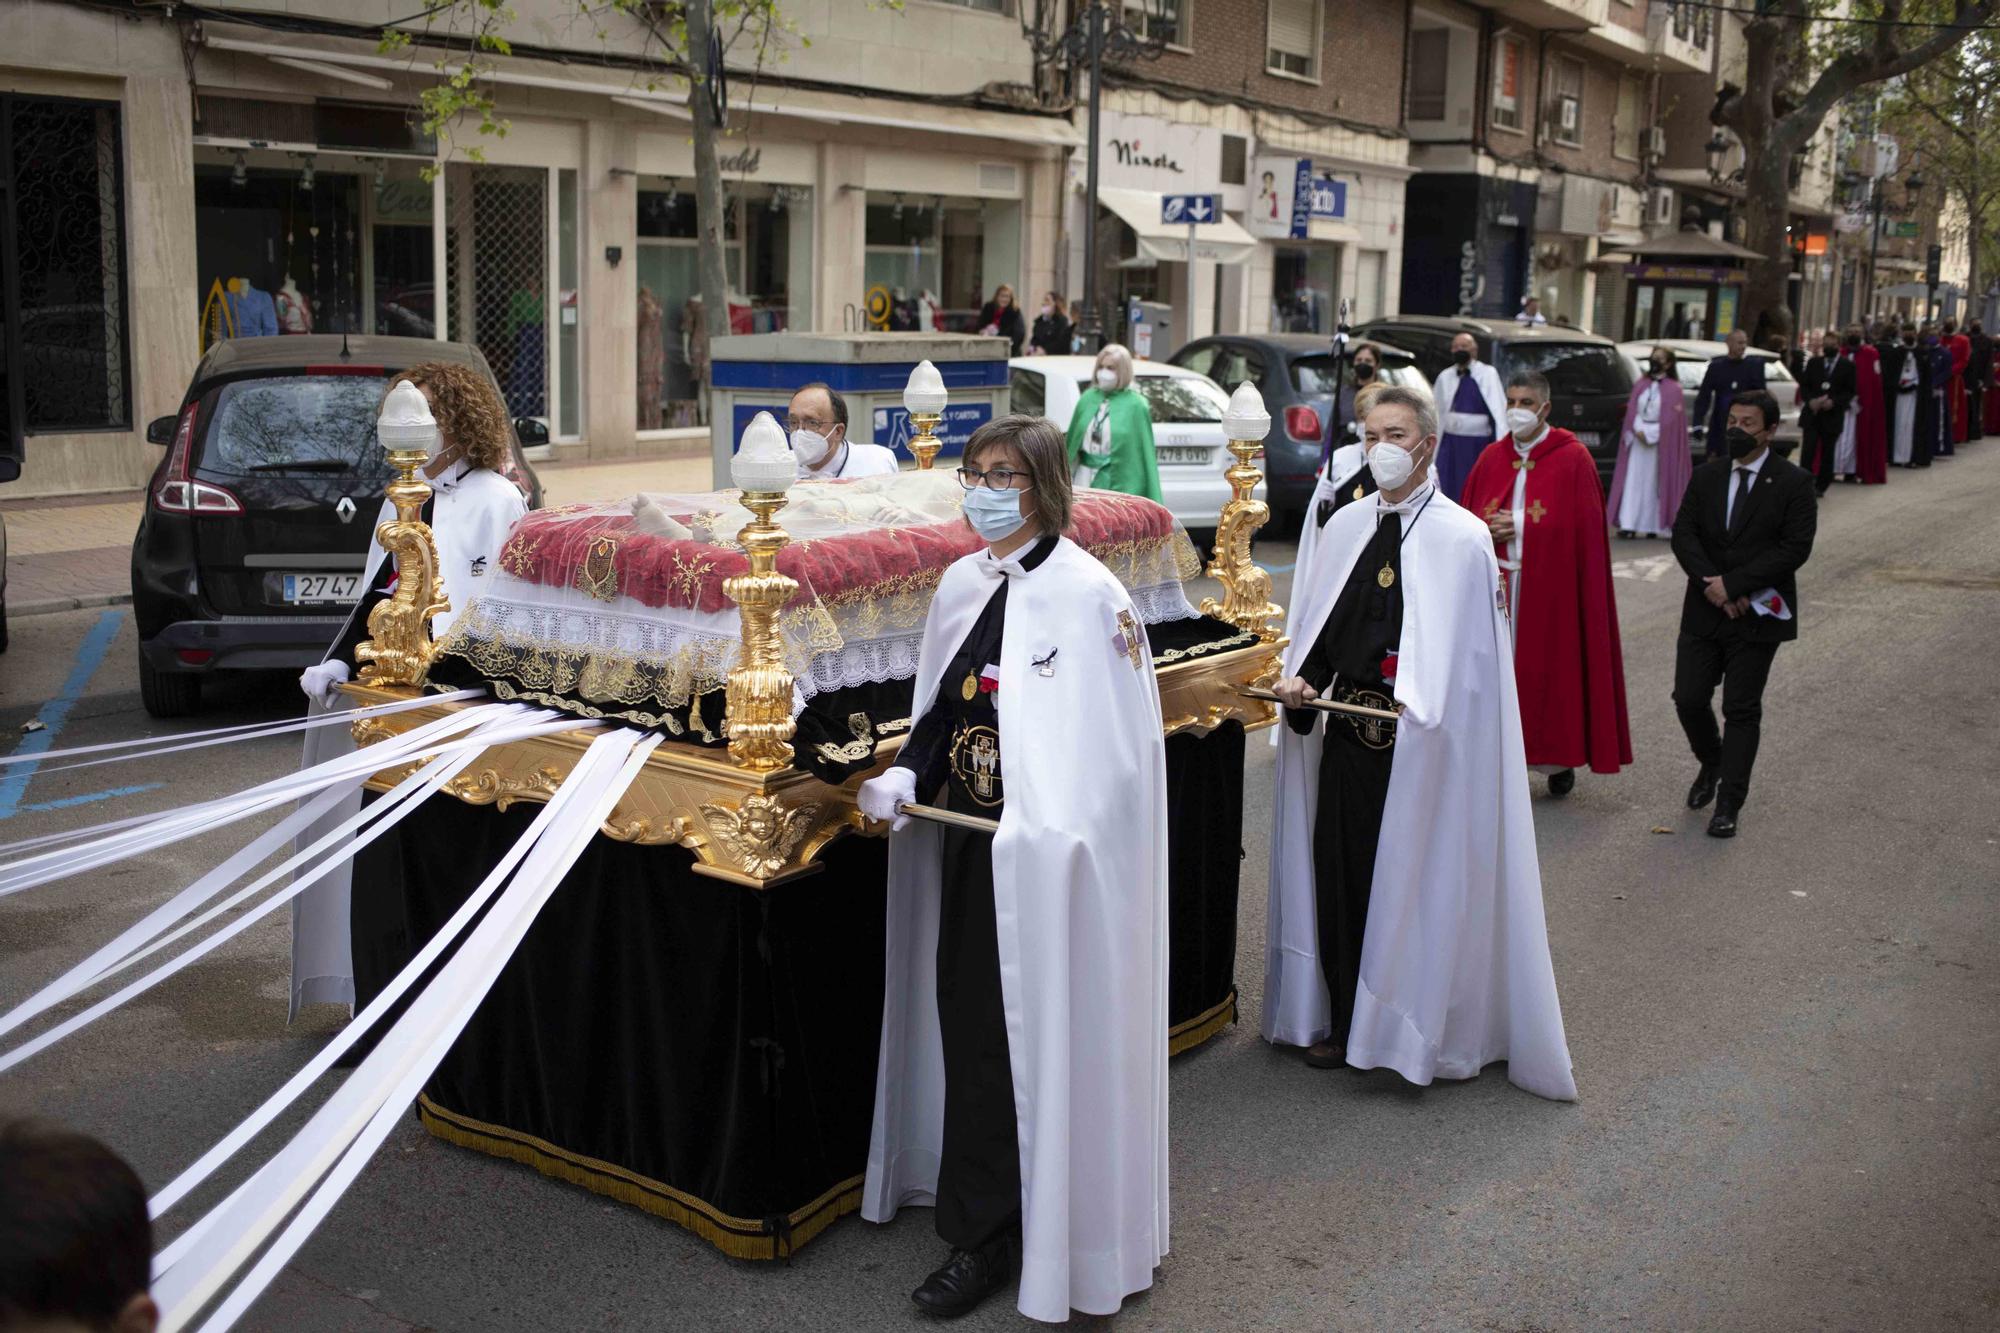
<point x="1190" y="209"/>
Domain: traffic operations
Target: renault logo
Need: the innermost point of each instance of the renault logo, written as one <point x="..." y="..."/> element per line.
<point x="345" y="509"/>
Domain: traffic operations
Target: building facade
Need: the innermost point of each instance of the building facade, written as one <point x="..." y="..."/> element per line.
<point x="881" y="168"/>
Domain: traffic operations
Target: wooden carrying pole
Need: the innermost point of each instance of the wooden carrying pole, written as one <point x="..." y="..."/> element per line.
<point x="938" y="815"/>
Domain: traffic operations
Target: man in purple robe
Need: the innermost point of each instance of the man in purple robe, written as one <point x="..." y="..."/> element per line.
<point x="1472" y="410"/>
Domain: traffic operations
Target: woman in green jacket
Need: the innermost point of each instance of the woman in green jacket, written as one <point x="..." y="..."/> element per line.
<point x="1111" y="433"/>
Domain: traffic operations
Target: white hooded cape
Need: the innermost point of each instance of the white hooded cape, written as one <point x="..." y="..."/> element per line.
<point x="1455" y="969"/>
<point x="1445" y="391"/>
<point x="1080" y="892"/>
<point x="470" y="521"/>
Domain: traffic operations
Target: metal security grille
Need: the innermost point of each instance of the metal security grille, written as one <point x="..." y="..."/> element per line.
<point x="63" y="344"/>
<point x="497" y="264"/>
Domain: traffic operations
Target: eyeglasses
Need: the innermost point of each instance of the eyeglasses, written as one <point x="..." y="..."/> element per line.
<point x="813" y="424"/>
<point x="998" y="479"/>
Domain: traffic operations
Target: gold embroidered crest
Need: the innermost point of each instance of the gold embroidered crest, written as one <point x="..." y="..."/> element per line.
<point x="598" y="575"/>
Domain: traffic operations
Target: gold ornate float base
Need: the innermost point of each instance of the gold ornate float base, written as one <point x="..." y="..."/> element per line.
<point x="758" y="828"/>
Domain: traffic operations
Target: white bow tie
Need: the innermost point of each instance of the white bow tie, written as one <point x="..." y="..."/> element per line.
<point x="1410" y="504"/>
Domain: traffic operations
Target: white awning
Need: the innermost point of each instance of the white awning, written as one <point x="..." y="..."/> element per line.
<point x="1223" y="241"/>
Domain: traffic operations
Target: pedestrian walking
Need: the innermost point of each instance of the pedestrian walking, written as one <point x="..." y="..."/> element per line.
<point x="1474" y="406"/>
<point x="1978" y="379"/>
<point x="1724" y="378"/>
<point x="1744" y="529"/>
<point x="1654" y="457"/>
<point x="1906" y="380"/>
<point x="1828" y="406"/>
<point x="1871" y="437"/>
<point x="1937" y="358"/>
<point x="1405" y="924"/>
<point x="1960" y="348"/>
<point x="1111" y="431"/>
<point x="1537" y="491"/>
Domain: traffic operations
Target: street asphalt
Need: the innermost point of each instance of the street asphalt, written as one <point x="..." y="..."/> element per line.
<point x="1785" y="1044"/>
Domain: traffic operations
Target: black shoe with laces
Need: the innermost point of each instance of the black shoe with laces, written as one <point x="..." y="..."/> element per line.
<point x="1723" y="823"/>
<point x="968" y="1278"/>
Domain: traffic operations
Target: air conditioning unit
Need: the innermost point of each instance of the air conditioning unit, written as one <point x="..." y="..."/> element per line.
<point x="1660" y="207"/>
<point x="1653" y="142"/>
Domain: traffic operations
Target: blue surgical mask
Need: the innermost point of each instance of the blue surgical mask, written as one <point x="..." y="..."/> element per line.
<point x="994" y="515"/>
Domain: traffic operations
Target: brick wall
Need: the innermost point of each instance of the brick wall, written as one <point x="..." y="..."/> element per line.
<point x="1360" y="60"/>
<point x="1593" y="154"/>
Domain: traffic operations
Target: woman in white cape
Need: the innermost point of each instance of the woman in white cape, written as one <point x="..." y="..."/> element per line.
<point x="1454" y="969"/>
<point x="456" y="416"/>
<point x="1022" y="1087"/>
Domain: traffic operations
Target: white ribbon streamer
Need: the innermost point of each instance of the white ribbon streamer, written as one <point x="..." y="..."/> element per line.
<point x="369" y="1101"/>
<point x="377" y="819"/>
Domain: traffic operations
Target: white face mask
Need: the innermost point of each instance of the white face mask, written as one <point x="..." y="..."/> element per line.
<point x="1391" y="464"/>
<point x="1048" y="310"/>
<point x="1523" y="421"/>
<point x="1107" y="379"/>
<point x="811" y="447"/>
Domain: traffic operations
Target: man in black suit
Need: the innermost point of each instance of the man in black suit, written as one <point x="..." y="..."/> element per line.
<point x="1745" y="525"/>
<point x="1826" y="390"/>
<point x="1721" y="381"/>
<point x="1978" y="374"/>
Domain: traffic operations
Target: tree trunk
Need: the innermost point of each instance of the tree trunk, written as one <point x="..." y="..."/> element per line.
<point x="711" y="220"/>
<point x="1766" y="210"/>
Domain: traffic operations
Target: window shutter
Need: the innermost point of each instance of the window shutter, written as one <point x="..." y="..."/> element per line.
<point x="1292" y="27"/>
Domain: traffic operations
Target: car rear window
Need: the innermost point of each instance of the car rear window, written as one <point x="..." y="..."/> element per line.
<point x="1776" y="371"/>
<point x="1573" y="370"/>
<point x="1025" y="394"/>
<point x="296" y="421"/>
<point x="1178" y="400"/>
<point x="1316" y="374"/>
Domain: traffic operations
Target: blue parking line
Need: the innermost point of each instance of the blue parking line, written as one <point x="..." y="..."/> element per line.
<point x="90" y="655"/>
<point x="87" y="798"/>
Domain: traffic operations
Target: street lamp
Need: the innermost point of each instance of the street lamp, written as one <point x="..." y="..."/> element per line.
<point x="1717" y="149"/>
<point x="1098" y="31"/>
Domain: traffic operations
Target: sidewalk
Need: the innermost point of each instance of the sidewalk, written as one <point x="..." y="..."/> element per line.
<point x="67" y="553"/>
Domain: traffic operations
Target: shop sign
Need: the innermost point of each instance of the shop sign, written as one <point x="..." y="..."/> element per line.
<point x="1281" y="197"/>
<point x="1329" y="198"/>
<point x="1685" y="273"/>
<point x="892" y="426"/>
<point x="744" y="163"/>
<point x="1149" y="153"/>
<point x="1903" y="231"/>
<point x="403" y="202"/>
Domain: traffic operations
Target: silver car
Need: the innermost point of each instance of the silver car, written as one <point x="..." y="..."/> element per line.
<point x="1691" y="358"/>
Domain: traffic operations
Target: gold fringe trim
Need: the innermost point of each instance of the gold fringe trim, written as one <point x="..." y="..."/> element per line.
<point x="1190" y="1033"/>
<point x="737" y="1237"/>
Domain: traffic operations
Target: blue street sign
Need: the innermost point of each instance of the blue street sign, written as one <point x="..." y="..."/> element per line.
<point x="1329" y="198"/>
<point x="1187" y="209"/>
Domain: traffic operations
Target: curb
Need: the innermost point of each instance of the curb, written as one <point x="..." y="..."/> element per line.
<point x="51" y="605"/>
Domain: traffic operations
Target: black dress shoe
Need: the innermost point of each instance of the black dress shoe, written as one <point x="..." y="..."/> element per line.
<point x="1563" y="783"/>
<point x="1325" y="1055"/>
<point x="968" y="1278"/>
<point x="1723" y="823"/>
<point x="1703" y="790"/>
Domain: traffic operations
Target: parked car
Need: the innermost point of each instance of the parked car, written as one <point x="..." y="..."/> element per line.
<point x="1297" y="375"/>
<point x="1691" y="358"/>
<point x="1589" y="380"/>
<point x="257" y="520"/>
<point x="1187" y="426"/>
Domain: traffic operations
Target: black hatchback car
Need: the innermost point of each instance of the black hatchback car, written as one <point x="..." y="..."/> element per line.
<point x="1300" y="381"/>
<point x="1589" y="380"/>
<point x="258" y="519"/>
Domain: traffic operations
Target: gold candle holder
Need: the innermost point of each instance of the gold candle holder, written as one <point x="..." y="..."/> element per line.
<point x="925" y="444"/>
<point x="399" y="649"/>
<point x="759" y="723"/>
<point x="1246" y="601"/>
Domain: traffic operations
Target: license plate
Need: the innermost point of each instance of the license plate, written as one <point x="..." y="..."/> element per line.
<point x="1589" y="438"/>
<point x="320" y="589"/>
<point x="1184" y="453"/>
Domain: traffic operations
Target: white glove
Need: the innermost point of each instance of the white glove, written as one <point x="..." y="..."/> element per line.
<point x="880" y="797"/>
<point x="322" y="683"/>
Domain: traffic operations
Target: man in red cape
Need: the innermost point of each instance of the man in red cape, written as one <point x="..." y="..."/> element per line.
<point x="1871" y="424"/>
<point x="1960" y="348"/>
<point x="1537" y="489"/>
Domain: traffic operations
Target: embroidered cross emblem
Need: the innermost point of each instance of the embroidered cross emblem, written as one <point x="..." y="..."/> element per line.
<point x="1492" y="508"/>
<point x="1535" y="511"/>
<point x="985" y="762"/>
<point x="1524" y="465"/>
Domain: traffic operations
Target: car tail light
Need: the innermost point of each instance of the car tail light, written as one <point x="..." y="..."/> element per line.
<point x="180" y="493"/>
<point x="1302" y="423"/>
<point x="194" y="656"/>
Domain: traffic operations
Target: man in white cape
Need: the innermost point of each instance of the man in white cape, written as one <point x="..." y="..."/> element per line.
<point x="1079" y="894"/>
<point x="1453" y="968"/>
<point x="471" y="511"/>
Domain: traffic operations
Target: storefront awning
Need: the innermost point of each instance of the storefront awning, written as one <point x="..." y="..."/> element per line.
<point x="1687" y="244"/>
<point x="1224" y="241"/>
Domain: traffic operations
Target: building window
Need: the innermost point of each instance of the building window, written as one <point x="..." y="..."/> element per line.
<point x="1166" y="20"/>
<point x="932" y="262"/>
<point x="1631" y="117"/>
<point x="64" y="358"/>
<point x="1508" y="56"/>
<point x="1430" y="72"/>
<point x="1293" y="41"/>
<point x="1235" y="159"/>
<point x="986" y="6"/>
<point x="1566" y="101"/>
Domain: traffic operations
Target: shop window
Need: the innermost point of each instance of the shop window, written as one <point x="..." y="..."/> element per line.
<point x="1235" y="159"/>
<point x="1430" y="73"/>
<point x="932" y="263"/>
<point x="767" y="259"/>
<point x="1165" y="20"/>
<point x="1565" y="109"/>
<point x="63" y="342"/>
<point x="1631" y="116"/>
<point x="1508" y="56"/>
<point x="1292" y="40"/>
<point x="1305" y="288"/>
